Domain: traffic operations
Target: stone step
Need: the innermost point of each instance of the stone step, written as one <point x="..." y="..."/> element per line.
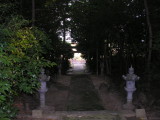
<point x="154" y="118"/>
<point x="77" y="115"/>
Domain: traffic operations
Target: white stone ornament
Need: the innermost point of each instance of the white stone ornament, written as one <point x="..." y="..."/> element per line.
<point x="43" y="78"/>
<point x="130" y="87"/>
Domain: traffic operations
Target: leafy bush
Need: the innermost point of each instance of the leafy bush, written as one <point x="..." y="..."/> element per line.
<point x="20" y="61"/>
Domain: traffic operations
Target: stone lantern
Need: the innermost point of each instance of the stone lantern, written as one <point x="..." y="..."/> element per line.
<point x="39" y="112"/>
<point x="43" y="88"/>
<point x="130" y="87"/>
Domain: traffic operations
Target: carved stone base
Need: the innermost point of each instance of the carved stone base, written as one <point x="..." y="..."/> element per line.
<point x="128" y="106"/>
<point x="48" y="108"/>
<point x="39" y="112"/>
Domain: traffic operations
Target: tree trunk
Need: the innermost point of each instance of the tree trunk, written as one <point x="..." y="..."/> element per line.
<point x="97" y="56"/>
<point x="64" y="13"/>
<point x="21" y="6"/>
<point x="150" y="41"/>
<point x="106" y="57"/>
<point x="33" y="12"/>
<point x="64" y="31"/>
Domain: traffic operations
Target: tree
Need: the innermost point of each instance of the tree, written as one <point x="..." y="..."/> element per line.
<point x="54" y="12"/>
<point x="150" y="41"/>
<point x="33" y="12"/>
<point x="91" y="26"/>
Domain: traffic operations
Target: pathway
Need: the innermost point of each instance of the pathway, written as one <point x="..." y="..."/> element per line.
<point x="83" y="95"/>
<point x="57" y="94"/>
<point x="79" y="96"/>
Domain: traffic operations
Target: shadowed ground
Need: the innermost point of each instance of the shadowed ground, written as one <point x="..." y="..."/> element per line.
<point x="82" y="94"/>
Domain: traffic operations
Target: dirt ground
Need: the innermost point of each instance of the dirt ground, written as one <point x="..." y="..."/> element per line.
<point x="58" y="93"/>
<point x="110" y="98"/>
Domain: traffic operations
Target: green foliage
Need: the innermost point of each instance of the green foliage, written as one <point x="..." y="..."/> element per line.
<point x="20" y="61"/>
<point x="49" y="2"/>
<point x="6" y="100"/>
<point x="7" y="111"/>
<point x="7" y="7"/>
<point x="5" y="119"/>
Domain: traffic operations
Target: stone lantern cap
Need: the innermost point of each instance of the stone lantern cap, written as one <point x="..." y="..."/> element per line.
<point x="43" y="77"/>
<point x="131" y="76"/>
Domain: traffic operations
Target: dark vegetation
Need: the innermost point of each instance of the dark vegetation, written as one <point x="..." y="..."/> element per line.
<point x="119" y="34"/>
<point x="26" y="45"/>
<point x="115" y="33"/>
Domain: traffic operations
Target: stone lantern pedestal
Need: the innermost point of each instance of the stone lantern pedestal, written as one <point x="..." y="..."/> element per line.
<point x="130" y="79"/>
<point x="42" y="93"/>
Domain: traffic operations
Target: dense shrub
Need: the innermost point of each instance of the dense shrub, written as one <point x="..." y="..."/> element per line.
<point x="20" y="61"/>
